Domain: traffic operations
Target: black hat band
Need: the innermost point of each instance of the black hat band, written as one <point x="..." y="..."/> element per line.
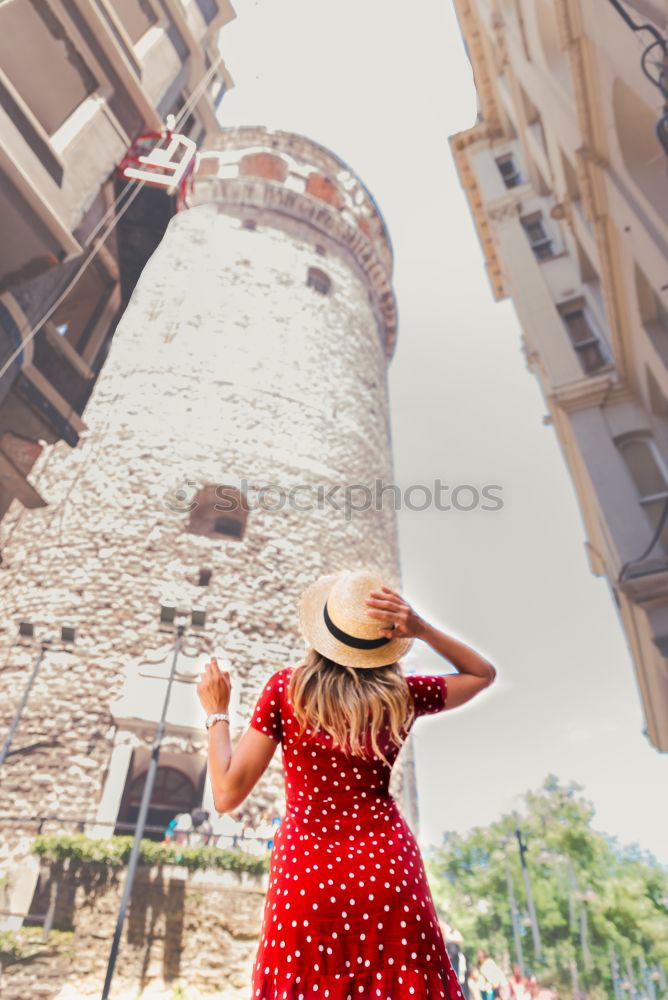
<point x="352" y="640"/>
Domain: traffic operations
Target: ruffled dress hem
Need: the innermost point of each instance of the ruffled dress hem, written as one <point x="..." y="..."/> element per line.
<point x="379" y="984"/>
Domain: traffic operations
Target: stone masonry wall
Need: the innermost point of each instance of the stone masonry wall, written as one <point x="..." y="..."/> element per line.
<point x="225" y="366"/>
<point x="195" y="929"/>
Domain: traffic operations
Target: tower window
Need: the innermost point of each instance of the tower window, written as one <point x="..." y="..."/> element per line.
<point x="318" y="280"/>
<point x="508" y="170"/>
<point x="228" y="526"/>
<point x="219" y="512"/>
<point x="583" y="336"/>
<point x="541" y="242"/>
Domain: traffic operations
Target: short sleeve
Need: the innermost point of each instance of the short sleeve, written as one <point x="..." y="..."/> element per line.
<point x="266" y="716"/>
<point x="429" y="691"/>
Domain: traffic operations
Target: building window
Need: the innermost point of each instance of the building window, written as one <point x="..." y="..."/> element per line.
<point x="509" y="171"/>
<point x="318" y="280"/>
<point x="136" y="16"/>
<point x="219" y="512"/>
<point x="75" y="317"/>
<point x="33" y="38"/>
<point x="541" y="242"/>
<point x="654" y="314"/>
<point x="583" y="335"/>
<point x="649" y="473"/>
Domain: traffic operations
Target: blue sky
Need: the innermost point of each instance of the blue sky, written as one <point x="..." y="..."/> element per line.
<point x="384" y="90"/>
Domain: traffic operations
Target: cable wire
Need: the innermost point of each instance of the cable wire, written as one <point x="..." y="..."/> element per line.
<point x="192" y="100"/>
<point x="32" y="333"/>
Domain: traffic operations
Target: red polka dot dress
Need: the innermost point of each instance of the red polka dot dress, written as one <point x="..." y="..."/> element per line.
<point x="348" y="913"/>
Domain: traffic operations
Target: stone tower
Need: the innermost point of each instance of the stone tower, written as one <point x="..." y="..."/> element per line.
<point x="236" y="444"/>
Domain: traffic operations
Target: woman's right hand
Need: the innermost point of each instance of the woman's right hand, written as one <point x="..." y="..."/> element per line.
<point x="389" y="606"/>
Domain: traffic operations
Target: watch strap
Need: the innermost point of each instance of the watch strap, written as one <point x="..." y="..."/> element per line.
<point x="215" y="717"/>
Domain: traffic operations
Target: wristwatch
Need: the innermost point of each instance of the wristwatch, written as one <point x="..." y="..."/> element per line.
<point x="214" y="717"/>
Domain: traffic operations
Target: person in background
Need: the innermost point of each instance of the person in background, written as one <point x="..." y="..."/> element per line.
<point x="168" y="837"/>
<point x="546" y="991"/>
<point x="494" y="982"/>
<point x="473" y="982"/>
<point x="202" y="829"/>
<point x="183" y="824"/>
<point x="453" y="945"/>
<point x="518" y="984"/>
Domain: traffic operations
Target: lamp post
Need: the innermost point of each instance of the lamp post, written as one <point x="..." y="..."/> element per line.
<point x="514" y="916"/>
<point x="27" y="631"/>
<point x="168" y="616"/>
<point x="535" y="931"/>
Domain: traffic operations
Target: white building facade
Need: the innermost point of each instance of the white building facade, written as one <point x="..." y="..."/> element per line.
<point x="567" y="181"/>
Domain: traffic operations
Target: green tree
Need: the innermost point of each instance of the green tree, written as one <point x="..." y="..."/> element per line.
<point x="590" y="893"/>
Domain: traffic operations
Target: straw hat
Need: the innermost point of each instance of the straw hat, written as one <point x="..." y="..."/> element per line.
<point x="335" y="620"/>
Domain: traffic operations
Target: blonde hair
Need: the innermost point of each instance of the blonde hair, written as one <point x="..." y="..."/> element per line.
<point x="344" y="701"/>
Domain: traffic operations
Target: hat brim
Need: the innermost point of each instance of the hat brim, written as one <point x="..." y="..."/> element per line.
<point x="315" y="631"/>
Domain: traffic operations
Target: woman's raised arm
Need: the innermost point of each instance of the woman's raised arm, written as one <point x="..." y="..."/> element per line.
<point x="475" y="672"/>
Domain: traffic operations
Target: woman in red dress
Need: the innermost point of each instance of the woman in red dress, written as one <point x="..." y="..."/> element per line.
<point x="348" y="914"/>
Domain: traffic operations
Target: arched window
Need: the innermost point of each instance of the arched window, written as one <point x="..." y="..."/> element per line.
<point x="635" y="124"/>
<point x="173" y="793"/>
<point x="219" y="512"/>
<point x="649" y="472"/>
<point x="318" y="280"/>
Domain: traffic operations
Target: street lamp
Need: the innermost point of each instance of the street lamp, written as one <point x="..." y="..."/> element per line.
<point x="169" y="614"/>
<point x="515" y="918"/>
<point x="535" y="931"/>
<point x="27" y="631"/>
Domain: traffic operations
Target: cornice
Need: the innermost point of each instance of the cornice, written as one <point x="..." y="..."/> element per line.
<point x="266" y="195"/>
<point x="591" y="391"/>
<point x="484" y="78"/>
<point x="460" y="145"/>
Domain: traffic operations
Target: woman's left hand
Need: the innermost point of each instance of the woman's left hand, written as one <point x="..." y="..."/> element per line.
<point x="214" y="688"/>
<point x="402" y="622"/>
